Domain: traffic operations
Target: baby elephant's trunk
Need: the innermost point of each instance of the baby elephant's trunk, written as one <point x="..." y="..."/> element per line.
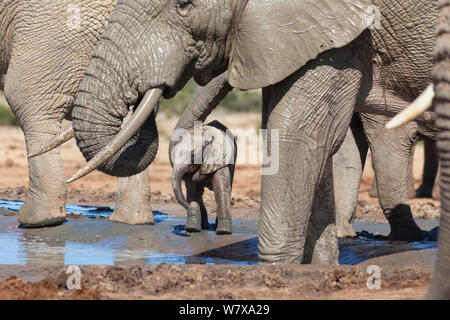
<point x="177" y="176"/>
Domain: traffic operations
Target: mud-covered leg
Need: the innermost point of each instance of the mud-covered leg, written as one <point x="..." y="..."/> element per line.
<point x="430" y="169"/>
<point x="133" y="200"/>
<point x="348" y="165"/>
<point x="373" y="192"/>
<point x="40" y="118"/>
<point x="411" y="188"/>
<point x="45" y="202"/>
<point x="391" y="153"/>
<point x="307" y="126"/>
<point x="321" y="245"/>
<point x="222" y="192"/>
<point x="197" y="216"/>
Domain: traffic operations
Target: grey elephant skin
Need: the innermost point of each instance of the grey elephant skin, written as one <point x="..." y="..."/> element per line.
<point x="440" y="284"/>
<point x="348" y="163"/>
<point x="430" y="185"/>
<point x="216" y="153"/>
<point x="45" y="47"/>
<point x="313" y="80"/>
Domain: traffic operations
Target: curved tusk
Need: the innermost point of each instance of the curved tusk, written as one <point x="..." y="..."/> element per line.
<point x="421" y="104"/>
<point x="58" y="140"/>
<point x="145" y="108"/>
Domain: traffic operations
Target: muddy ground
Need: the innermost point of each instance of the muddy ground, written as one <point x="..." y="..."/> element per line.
<point x="166" y="281"/>
<point x="405" y="280"/>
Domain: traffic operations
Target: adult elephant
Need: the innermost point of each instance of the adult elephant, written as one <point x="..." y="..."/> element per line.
<point x="439" y="94"/>
<point x="391" y="153"/>
<point x="430" y="186"/>
<point x="317" y="62"/>
<point x="348" y="162"/>
<point x="440" y="284"/>
<point x="45" y="47"/>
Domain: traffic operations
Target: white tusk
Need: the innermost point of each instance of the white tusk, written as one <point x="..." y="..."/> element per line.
<point x="421" y="104"/>
<point x="147" y="105"/>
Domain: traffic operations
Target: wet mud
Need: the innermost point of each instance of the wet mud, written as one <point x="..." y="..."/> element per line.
<point x="88" y="238"/>
<point x="157" y="261"/>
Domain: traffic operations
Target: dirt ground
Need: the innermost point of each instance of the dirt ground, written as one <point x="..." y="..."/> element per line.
<point x="198" y="281"/>
<point x="186" y="282"/>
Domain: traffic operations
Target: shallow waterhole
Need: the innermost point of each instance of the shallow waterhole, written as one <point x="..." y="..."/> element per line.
<point x="98" y="241"/>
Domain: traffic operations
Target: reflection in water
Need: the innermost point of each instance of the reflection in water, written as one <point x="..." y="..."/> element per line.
<point x="356" y="250"/>
<point x="11" y="250"/>
<point x="87" y="254"/>
<point x="88" y="211"/>
<point x="101" y="242"/>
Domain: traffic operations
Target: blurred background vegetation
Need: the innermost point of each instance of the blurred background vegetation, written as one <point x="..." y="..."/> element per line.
<point x="236" y="101"/>
<point x="7" y="118"/>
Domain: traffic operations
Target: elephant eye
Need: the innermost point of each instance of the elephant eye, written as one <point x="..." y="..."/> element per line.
<point x="183" y="7"/>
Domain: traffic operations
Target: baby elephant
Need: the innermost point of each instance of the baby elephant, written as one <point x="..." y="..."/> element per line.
<point x="204" y="156"/>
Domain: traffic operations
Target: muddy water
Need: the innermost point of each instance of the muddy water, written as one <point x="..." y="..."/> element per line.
<point x="97" y="241"/>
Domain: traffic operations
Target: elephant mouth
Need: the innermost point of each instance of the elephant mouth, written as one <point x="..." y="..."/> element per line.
<point x="147" y="105"/>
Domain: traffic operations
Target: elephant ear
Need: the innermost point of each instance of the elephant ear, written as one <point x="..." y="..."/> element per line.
<point x="218" y="151"/>
<point x="273" y="39"/>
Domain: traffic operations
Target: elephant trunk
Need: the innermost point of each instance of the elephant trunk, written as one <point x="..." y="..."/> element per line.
<point x="202" y="103"/>
<point x="177" y="176"/>
<point x="100" y="109"/>
<point x="440" y="284"/>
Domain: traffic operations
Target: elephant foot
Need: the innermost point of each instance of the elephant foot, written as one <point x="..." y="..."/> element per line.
<point x="346" y="231"/>
<point x="142" y="216"/>
<point x="194" y="218"/>
<point x="133" y="207"/>
<point x="40" y="214"/>
<point x="224" y="226"/>
<point x="403" y="226"/>
<point x="424" y="192"/>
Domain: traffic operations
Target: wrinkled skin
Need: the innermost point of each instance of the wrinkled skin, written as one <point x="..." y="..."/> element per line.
<point x="373" y="192"/>
<point x="440" y="284"/>
<point x="393" y="146"/>
<point x="43" y="66"/>
<point x="430" y="186"/>
<point x="215" y="172"/>
<point x="377" y="71"/>
<point x="348" y="166"/>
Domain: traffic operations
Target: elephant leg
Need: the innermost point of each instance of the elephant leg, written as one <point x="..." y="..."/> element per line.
<point x="45" y="202"/>
<point x="391" y="154"/>
<point x="40" y="119"/>
<point x="373" y="192"/>
<point x="133" y="200"/>
<point x="348" y="165"/>
<point x="430" y="169"/>
<point x="222" y="192"/>
<point x="411" y="188"/>
<point x="321" y="245"/>
<point x="440" y="284"/>
<point x="197" y="216"/>
<point x="306" y="125"/>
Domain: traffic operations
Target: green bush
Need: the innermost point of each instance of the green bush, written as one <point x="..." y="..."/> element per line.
<point x="177" y="104"/>
<point x="235" y="101"/>
<point x="7" y="117"/>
